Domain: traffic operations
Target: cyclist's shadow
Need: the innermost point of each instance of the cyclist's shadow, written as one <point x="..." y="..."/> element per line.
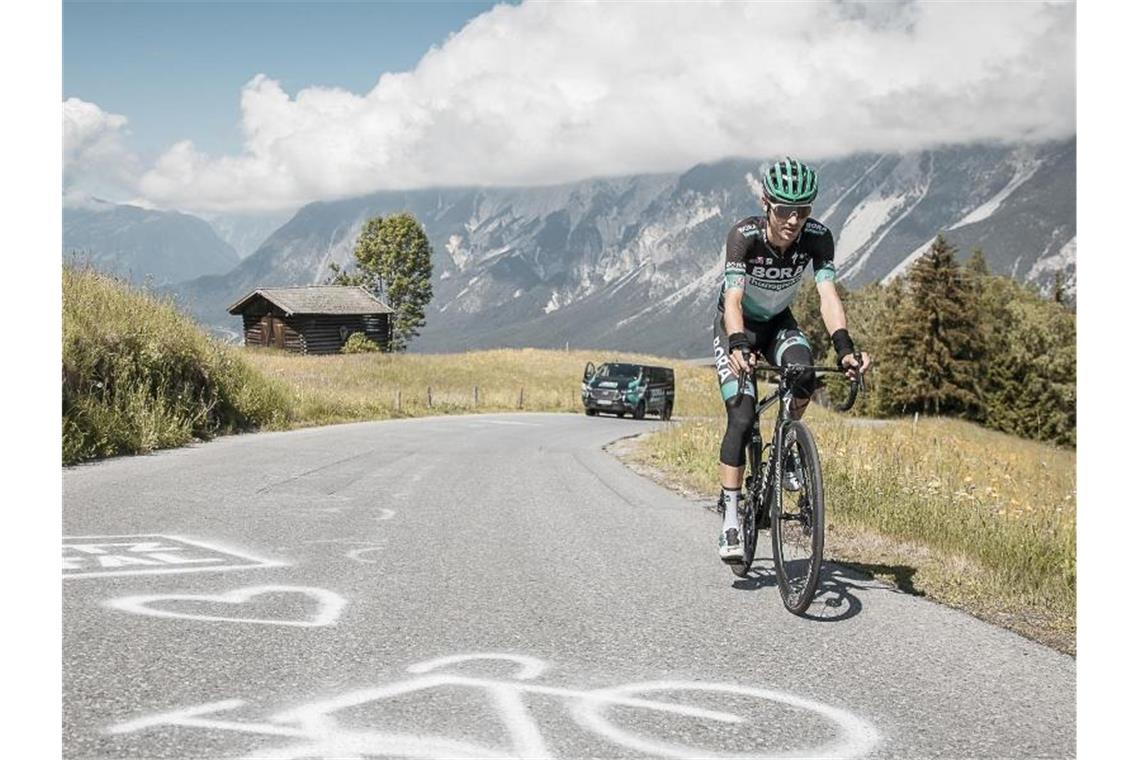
<point x="834" y="600"/>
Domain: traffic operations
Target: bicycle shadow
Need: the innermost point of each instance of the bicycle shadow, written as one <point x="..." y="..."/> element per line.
<point x="836" y="598"/>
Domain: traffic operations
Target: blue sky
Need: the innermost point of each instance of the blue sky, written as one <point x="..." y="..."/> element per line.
<point x="267" y="106"/>
<point x="176" y="69"/>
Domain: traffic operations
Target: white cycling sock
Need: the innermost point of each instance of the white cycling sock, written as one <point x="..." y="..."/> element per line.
<point x="731" y="498"/>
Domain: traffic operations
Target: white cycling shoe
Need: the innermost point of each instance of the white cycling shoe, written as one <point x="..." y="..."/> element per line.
<point x="730" y="547"/>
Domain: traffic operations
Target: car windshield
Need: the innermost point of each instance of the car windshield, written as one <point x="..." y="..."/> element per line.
<point x="619" y="371"/>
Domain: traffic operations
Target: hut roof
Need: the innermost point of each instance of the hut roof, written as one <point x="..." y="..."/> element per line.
<point x="317" y="299"/>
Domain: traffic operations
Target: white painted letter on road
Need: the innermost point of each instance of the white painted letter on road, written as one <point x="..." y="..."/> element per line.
<point x="87" y="556"/>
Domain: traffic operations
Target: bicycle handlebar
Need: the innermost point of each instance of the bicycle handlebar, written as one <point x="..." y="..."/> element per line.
<point x="792" y="370"/>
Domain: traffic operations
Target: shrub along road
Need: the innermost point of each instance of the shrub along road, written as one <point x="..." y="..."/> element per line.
<point x="491" y="586"/>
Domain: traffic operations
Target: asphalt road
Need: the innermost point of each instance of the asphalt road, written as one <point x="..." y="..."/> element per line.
<point x="492" y="586"/>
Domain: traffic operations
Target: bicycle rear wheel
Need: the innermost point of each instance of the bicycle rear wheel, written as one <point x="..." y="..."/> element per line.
<point x="798" y="521"/>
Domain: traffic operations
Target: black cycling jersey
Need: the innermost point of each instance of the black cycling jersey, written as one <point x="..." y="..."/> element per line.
<point x="768" y="277"/>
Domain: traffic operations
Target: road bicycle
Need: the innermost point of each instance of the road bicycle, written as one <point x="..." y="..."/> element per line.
<point x="795" y="518"/>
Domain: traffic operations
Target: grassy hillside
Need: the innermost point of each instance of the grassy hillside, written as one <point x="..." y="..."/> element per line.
<point x="138" y="375"/>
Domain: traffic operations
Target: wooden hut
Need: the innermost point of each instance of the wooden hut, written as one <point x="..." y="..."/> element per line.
<point x="312" y="320"/>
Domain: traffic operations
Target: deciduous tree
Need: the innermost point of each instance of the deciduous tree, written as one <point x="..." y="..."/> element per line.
<point x="393" y="261"/>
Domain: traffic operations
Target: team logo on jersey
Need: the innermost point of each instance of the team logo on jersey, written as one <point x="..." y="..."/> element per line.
<point x="814" y="227"/>
<point x="775" y="278"/>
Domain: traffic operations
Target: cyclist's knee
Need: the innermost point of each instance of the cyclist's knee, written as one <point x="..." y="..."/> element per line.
<point x="737" y="431"/>
<point x="793" y="348"/>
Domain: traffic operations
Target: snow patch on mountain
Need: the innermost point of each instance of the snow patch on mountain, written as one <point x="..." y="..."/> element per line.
<point x="652" y="235"/>
<point x="863" y="222"/>
<point x="911" y="205"/>
<point x="1022" y="172"/>
<point x="704" y="283"/>
<point x="857" y="183"/>
<point x="1061" y="260"/>
<point x="459" y="255"/>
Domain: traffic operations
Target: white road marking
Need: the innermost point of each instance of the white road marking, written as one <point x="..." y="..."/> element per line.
<point x="322" y="734"/>
<point x="331" y="605"/>
<point x="355" y="554"/>
<point x="151" y="554"/>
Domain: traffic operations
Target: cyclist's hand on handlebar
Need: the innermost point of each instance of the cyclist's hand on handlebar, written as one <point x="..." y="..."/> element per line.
<point x="853" y="366"/>
<point x="740" y="360"/>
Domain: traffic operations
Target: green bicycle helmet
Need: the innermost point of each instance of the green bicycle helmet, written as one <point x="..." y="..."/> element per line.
<point x="790" y="181"/>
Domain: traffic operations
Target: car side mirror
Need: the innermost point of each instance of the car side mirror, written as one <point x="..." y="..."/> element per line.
<point x="589" y="372"/>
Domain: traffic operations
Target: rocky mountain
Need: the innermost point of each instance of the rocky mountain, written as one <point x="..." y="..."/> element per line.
<point x="634" y="263"/>
<point x="245" y="232"/>
<point x="144" y="245"/>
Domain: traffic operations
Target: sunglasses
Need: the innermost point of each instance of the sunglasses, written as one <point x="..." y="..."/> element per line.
<point x="783" y="211"/>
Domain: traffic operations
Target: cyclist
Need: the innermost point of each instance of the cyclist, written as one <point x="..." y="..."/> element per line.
<point x="765" y="257"/>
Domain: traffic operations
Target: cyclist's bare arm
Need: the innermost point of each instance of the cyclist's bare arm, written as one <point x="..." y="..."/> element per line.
<point x="835" y="318"/>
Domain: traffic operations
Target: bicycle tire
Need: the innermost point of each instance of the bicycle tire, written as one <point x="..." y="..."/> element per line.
<point x="798" y="578"/>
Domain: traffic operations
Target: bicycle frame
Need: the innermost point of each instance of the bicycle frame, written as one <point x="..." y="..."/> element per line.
<point x="783" y="394"/>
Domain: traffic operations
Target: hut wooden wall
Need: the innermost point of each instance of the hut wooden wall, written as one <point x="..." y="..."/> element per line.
<point x="321" y="333"/>
<point x="313" y="333"/>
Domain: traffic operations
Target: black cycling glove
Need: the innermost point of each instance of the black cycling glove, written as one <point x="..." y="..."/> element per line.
<point x="841" y="339"/>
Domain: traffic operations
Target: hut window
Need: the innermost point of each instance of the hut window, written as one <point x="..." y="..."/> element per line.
<point x="371" y="323"/>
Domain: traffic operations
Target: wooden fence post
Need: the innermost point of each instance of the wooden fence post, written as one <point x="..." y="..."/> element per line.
<point x="429" y="397"/>
<point x="475" y="393"/>
<point x="520" y="397"/>
<point x="397" y="399"/>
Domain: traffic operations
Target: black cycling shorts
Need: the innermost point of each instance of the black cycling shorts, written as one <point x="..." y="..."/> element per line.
<point x="779" y="340"/>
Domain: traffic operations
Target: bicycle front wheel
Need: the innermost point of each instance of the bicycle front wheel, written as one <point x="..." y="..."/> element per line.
<point x="798" y="518"/>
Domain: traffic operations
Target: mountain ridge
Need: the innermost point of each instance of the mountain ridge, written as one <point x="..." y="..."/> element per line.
<point x="633" y="263"/>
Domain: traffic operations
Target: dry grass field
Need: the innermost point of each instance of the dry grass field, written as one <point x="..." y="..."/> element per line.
<point x="345" y="388"/>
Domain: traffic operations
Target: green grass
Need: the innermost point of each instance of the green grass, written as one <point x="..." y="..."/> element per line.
<point x="139" y="376"/>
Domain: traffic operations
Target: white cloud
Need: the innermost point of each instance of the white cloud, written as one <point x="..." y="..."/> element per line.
<point x="96" y="160"/>
<point x="551" y="92"/>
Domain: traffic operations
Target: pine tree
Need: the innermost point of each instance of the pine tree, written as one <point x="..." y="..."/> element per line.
<point x="932" y="345"/>
<point x="976" y="264"/>
<point x="1030" y="383"/>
